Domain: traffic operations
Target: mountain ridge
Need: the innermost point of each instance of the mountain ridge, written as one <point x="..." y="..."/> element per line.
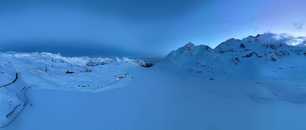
<point x="260" y="52"/>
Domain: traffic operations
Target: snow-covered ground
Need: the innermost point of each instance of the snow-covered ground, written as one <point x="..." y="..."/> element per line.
<point x="53" y="71"/>
<point x="257" y="83"/>
<point x="12" y="94"/>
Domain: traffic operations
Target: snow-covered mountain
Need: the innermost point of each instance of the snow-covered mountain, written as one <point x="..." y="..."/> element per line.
<point x="273" y="63"/>
<point x="265" y="56"/>
<point x="194" y="87"/>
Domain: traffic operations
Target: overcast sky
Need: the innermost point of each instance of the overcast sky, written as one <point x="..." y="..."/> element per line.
<point x="140" y="27"/>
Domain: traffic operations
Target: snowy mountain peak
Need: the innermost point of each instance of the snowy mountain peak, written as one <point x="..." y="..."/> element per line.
<point x="263" y="43"/>
<point x="272" y="38"/>
<point x="238" y="56"/>
<point x="189" y="45"/>
<point x="190" y="48"/>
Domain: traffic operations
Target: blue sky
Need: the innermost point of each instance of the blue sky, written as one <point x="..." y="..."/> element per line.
<point x="139" y="27"/>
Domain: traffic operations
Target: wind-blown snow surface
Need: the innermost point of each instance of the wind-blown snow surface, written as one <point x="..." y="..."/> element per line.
<point x="12" y="94"/>
<point x="257" y="83"/>
<point x="52" y="71"/>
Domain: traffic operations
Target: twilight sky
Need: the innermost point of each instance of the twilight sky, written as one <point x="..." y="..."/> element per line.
<point x="140" y="27"/>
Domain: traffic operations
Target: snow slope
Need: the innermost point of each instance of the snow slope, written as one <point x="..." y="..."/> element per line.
<point x="12" y="94"/>
<point x="256" y="83"/>
<point x="53" y="71"/>
<point x="163" y="101"/>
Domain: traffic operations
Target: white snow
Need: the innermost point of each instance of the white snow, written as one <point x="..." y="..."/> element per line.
<point x="256" y="83"/>
<point x="12" y="94"/>
<point x="53" y="71"/>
